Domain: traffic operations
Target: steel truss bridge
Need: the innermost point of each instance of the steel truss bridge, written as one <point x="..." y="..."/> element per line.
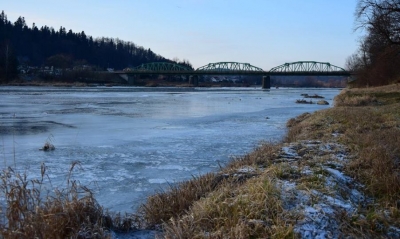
<point x="299" y="68"/>
<point x="236" y="68"/>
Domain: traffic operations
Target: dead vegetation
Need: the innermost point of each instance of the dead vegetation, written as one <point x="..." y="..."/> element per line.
<point x="31" y="208"/>
<point x="240" y="201"/>
<point x="248" y="210"/>
<point x="372" y="133"/>
<point x="367" y="121"/>
<point x="337" y="172"/>
<point x="173" y="203"/>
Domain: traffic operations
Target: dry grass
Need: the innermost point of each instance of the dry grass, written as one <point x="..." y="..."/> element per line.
<point x="385" y="89"/>
<point x="378" y="164"/>
<point x="367" y="121"/>
<point x="30" y="210"/>
<point x="389" y="94"/>
<point x="241" y="201"/>
<point x="174" y="202"/>
<point x="357" y="100"/>
<point x="71" y="212"/>
<point x="371" y="132"/>
<point x="251" y="210"/>
<point x="260" y="157"/>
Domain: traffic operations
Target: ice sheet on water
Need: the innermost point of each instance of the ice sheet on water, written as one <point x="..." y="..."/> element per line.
<point x="174" y="167"/>
<point x="124" y="136"/>
<point x="157" y="180"/>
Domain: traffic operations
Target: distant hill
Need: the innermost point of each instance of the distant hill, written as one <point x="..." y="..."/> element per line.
<point x="33" y="46"/>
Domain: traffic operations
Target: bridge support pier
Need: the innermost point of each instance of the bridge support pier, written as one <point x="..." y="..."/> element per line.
<point x="194" y="80"/>
<point x="266" y="82"/>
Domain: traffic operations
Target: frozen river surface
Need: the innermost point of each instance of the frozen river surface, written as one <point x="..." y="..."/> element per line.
<point x="132" y="142"/>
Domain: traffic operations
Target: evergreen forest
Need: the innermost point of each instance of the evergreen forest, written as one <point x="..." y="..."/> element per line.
<point x="21" y="45"/>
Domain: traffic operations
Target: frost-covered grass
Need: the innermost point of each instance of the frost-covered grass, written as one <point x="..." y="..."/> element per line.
<point x="371" y="132"/>
<point x="335" y="175"/>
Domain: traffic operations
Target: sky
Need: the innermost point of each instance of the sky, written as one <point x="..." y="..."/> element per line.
<point x="264" y="33"/>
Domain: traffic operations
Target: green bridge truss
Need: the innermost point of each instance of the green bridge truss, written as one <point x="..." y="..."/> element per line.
<point x="160" y="67"/>
<point x="229" y="66"/>
<point x="236" y="68"/>
<point x="307" y="66"/>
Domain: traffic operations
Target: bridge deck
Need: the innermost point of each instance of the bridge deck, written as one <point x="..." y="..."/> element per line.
<point x="256" y="73"/>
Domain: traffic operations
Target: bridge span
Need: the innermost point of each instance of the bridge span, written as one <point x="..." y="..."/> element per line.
<point x="299" y="68"/>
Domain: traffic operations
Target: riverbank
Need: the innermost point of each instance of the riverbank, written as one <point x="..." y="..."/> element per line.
<point x="156" y="83"/>
<point x="336" y="174"/>
<point x="141" y="83"/>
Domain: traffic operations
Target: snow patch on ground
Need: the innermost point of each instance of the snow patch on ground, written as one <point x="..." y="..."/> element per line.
<point x="246" y="169"/>
<point x="319" y="207"/>
<point x="289" y="153"/>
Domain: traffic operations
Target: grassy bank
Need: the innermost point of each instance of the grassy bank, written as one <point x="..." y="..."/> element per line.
<point x="336" y="174"/>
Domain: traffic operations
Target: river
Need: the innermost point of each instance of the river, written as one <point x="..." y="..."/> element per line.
<point x="133" y="141"/>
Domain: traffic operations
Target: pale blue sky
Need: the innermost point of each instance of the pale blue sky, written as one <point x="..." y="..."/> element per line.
<point x="264" y="33"/>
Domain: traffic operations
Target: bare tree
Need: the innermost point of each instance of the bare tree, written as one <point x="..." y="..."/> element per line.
<point x="353" y="62"/>
<point x="380" y="16"/>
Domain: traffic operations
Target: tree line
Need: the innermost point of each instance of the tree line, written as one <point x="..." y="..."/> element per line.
<point x="377" y="60"/>
<point x="45" y="46"/>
